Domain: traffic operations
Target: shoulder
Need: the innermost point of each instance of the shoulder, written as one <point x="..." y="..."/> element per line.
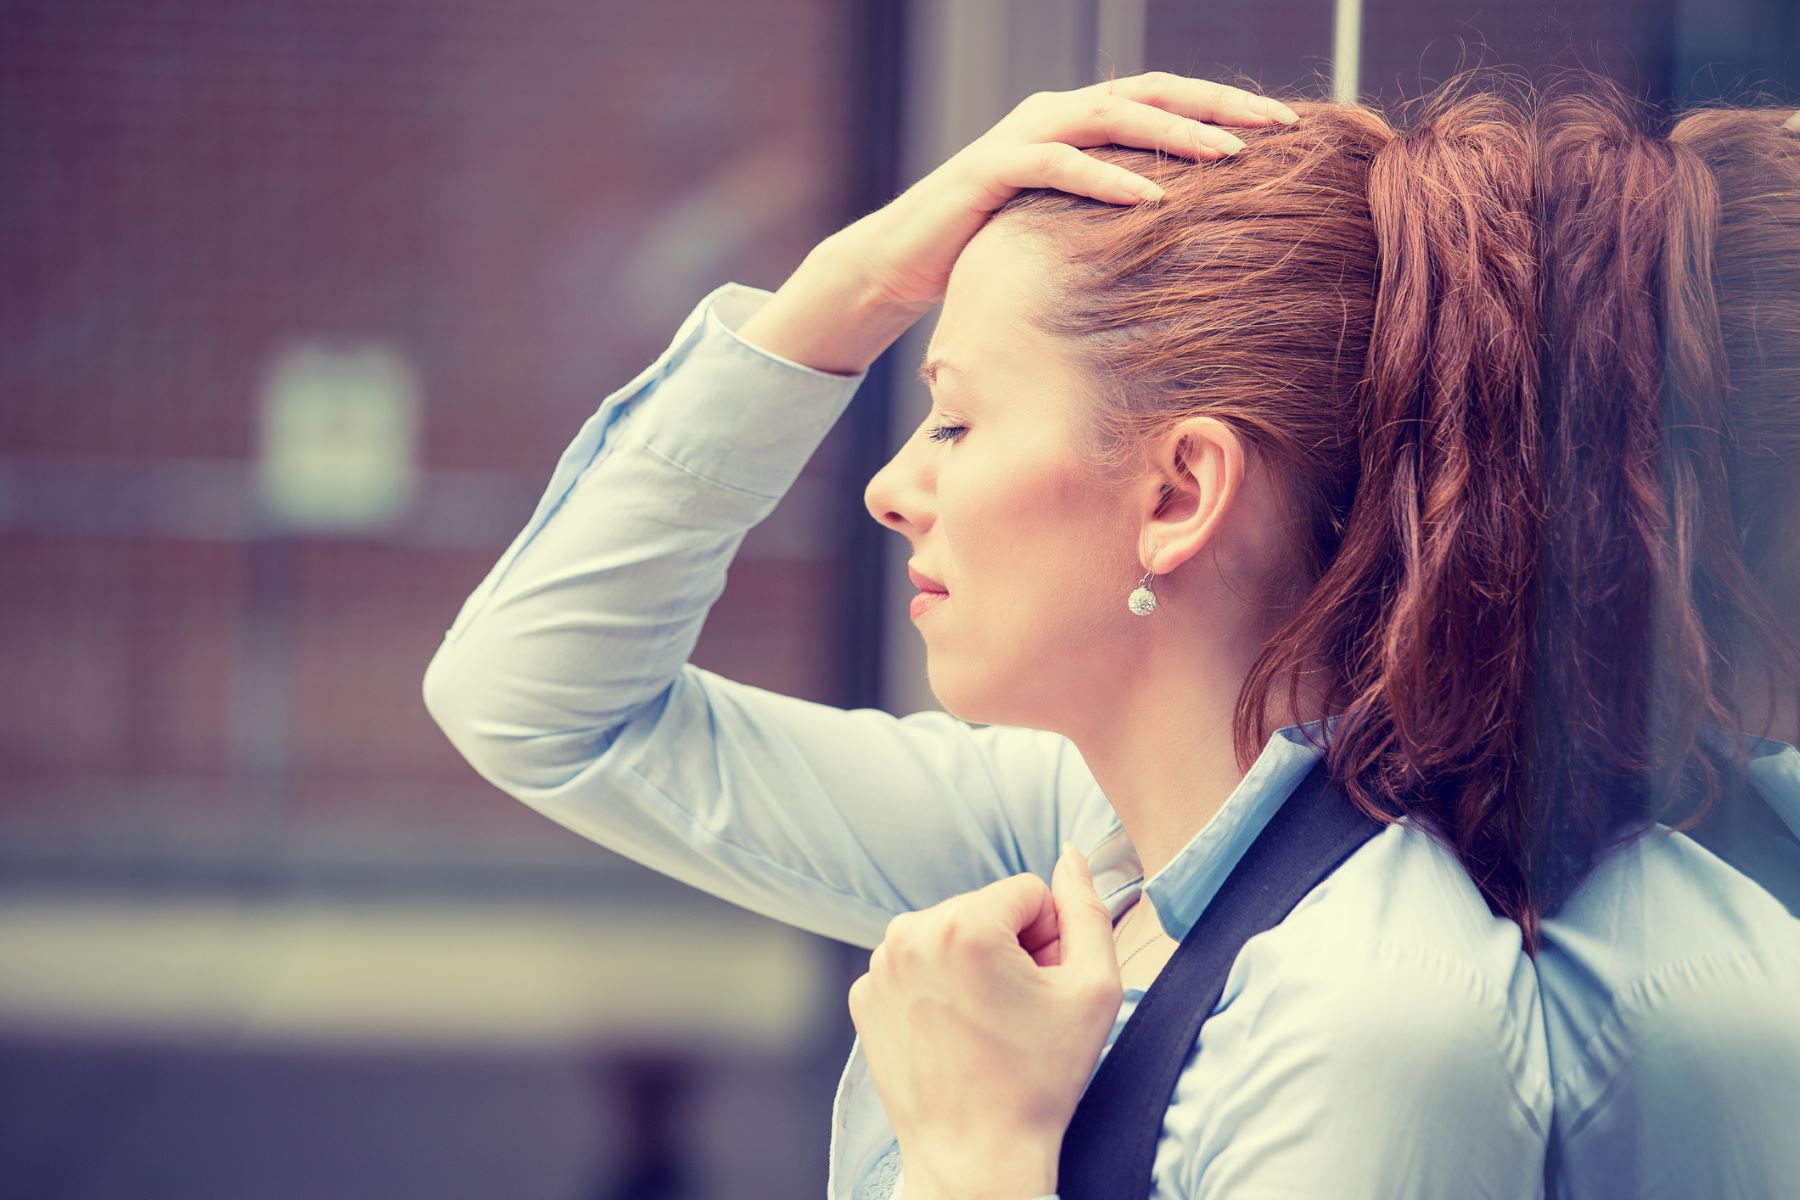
<point x="1400" y="985"/>
<point x="1662" y="925"/>
<point x="1396" y="953"/>
<point x="1383" y="1040"/>
<point x="1400" y="926"/>
<point x="1669" y="982"/>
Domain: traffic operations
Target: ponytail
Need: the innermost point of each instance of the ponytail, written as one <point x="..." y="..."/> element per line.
<point x="1359" y="305"/>
<point x="1425" y="615"/>
<point x="1641" y="561"/>
<point x="1753" y="158"/>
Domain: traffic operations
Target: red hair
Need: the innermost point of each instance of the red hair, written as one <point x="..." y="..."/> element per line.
<point x="1359" y="304"/>
<point x="1648" y="602"/>
<point x="1754" y="157"/>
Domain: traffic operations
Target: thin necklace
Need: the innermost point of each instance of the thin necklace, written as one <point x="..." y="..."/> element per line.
<point x="1127" y="921"/>
<point x="1135" y="953"/>
<point x="1142" y="945"/>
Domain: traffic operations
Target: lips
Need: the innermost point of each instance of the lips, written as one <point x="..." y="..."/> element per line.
<point x="924" y="602"/>
<point x="924" y="582"/>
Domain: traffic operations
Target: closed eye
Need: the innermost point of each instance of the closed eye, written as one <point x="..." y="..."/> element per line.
<point x="946" y="433"/>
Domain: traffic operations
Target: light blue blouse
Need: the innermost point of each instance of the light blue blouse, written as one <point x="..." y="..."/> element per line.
<point x="1385" y="1040"/>
<point x="1672" y="1000"/>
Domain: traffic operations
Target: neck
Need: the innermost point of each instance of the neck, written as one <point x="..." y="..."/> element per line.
<point x="1162" y="751"/>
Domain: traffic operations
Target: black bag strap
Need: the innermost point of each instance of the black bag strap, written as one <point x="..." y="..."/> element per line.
<point x="1110" y="1145"/>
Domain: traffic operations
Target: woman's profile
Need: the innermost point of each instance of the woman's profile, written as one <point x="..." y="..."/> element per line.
<point x="1219" y="493"/>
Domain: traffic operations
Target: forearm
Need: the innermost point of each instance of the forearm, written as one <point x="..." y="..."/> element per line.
<point x="593" y="609"/>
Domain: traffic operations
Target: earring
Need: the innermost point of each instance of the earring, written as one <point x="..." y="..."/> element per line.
<point x="1143" y="601"/>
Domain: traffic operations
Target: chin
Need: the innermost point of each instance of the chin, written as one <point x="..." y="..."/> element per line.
<point x="956" y="694"/>
<point x="975" y="699"/>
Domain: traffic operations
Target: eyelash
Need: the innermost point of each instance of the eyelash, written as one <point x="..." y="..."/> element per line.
<point x="946" y="433"/>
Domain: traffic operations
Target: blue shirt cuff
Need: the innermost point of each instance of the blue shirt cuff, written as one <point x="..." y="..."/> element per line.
<point x="734" y="414"/>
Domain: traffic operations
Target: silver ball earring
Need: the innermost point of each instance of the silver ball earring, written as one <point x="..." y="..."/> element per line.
<point x="1142" y="602"/>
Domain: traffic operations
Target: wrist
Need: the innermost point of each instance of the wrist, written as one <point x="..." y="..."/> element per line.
<point x="1019" y="1176"/>
<point x="829" y="315"/>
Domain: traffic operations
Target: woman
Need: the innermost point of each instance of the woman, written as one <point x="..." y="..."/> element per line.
<point x="1161" y="403"/>
<point x="1667" y="854"/>
<point x="1670" y="866"/>
<point x="1416" y="610"/>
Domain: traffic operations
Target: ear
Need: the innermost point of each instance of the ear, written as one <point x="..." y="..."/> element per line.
<point x="1196" y="473"/>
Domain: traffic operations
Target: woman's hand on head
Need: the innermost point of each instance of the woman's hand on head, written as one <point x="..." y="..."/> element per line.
<point x="906" y="249"/>
<point x="868" y="283"/>
<point x="982" y="1019"/>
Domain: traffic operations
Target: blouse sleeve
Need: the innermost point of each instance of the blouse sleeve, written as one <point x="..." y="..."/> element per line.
<point x="564" y="679"/>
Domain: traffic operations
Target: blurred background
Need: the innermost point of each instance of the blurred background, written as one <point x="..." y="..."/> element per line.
<point x="299" y="302"/>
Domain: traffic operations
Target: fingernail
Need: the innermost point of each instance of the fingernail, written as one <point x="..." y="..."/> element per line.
<point x="1275" y="108"/>
<point x="1148" y="190"/>
<point x="1232" y="144"/>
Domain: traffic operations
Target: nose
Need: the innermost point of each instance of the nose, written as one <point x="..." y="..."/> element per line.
<point x="899" y="495"/>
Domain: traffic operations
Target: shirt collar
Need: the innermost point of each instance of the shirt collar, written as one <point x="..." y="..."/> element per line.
<point x="1186" y="884"/>
<point x="1775" y="772"/>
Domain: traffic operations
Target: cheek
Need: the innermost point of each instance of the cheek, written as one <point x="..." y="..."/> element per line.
<point x="1029" y="539"/>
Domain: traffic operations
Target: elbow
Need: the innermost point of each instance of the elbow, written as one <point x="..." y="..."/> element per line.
<point x="439" y="691"/>
<point x="516" y="747"/>
<point x="465" y="712"/>
<point x="449" y="698"/>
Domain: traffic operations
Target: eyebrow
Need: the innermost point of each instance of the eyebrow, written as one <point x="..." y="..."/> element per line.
<point x="928" y="370"/>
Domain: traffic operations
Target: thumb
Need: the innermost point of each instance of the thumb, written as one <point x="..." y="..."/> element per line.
<point x="1084" y="923"/>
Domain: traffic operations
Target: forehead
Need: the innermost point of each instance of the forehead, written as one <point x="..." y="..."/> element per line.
<point x="984" y="331"/>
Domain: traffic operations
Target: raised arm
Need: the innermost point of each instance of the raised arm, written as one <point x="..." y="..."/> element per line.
<point x="564" y="678"/>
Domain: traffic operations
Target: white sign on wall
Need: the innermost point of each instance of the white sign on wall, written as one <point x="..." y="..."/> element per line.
<point x="339" y="439"/>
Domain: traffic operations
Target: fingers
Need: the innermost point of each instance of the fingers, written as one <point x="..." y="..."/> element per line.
<point x="1014" y="912"/>
<point x="1204" y="100"/>
<point x="1085" y="923"/>
<point x="1128" y="122"/>
<point x="1039" y="144"/>
<point x="1087" y="118"/>
<point x="1061" y="166"/>
<point x="1166" y="113"/>
<point x="1018" y="908"/>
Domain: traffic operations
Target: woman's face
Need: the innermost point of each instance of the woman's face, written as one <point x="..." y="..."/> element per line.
<point x="1036" y="554"/>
